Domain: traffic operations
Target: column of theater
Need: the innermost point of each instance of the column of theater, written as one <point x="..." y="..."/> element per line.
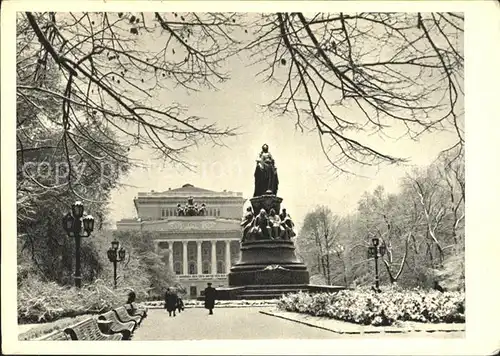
<point x="199" y="264"/>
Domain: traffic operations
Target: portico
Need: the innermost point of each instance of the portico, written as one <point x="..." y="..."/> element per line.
<point x="200" y="248"/>
<point x="199" y="256"/>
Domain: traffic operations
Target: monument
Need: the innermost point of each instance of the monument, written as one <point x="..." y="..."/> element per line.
<point x="267" y="252"/>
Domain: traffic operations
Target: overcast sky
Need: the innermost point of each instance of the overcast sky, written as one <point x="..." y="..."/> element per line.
<point x="305" y="177"/>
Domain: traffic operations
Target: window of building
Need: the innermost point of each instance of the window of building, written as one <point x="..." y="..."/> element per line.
<point x="206" y="267"/>
<point x="220" y="267"/>
<point x="192" y="291"/>
<point x="177" y="267"/>
<point x="235" y="251"/>
<point x="192" y="268"/>
<point x="218" y="212"/>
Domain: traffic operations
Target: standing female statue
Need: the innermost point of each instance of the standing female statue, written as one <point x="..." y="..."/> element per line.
<point x="266" y="174"/>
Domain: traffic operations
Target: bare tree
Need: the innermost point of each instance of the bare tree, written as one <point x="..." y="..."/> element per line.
<point x="453" y="172"/>
<point x="427" y="193"/>
<point x="319" y="241"/>
<point x="391" y="218"/>
<point x="351" y="75"/>
<point x="81" y="70"/>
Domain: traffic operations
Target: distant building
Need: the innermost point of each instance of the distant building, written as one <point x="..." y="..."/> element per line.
<point x="200" y="249"/>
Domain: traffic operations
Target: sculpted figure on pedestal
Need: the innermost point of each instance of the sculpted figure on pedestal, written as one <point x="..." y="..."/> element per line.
<point x="266" y="174"/>
<point x="287" y="224"/>
<point x="260" y="229"/>
<point x="247" y="223"/>
<point x="275" y="224"/>
<point x="262" y="223"/>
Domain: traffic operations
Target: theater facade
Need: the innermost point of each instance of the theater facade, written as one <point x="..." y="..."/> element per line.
<point x="200" y="248"/>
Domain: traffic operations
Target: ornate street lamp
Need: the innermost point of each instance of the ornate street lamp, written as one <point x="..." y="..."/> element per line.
<point x="116" y="254"/>
<point x="72" y="224"/>
<point x="376" y="251"/>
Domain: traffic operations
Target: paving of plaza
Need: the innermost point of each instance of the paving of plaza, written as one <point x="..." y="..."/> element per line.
<point x="238" y="323"/>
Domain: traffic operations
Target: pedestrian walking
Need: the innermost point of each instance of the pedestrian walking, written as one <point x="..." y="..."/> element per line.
<point x="210" y="295"/>
<point x="170" y="301"/>
<point x="180" y="305"/>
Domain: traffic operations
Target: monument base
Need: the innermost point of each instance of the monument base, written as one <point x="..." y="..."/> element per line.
<point x="270" y="263"/>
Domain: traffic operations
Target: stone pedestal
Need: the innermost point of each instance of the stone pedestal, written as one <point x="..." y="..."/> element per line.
<point x="268" y="262"/>
<point x="266" y="202"/>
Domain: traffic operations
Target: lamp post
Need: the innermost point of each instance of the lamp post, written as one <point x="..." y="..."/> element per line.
<point x="115" y="254"/>
<point x="72" y="224"/>
<point x="376" y="251"/>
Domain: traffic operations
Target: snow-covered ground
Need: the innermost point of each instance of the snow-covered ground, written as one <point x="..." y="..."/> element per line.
<point x="221" y="303"/>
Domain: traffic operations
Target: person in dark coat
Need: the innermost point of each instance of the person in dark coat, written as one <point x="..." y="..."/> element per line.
<point x="180" y="305"/>
<point x="130" y="301"/>
<point x="210" y="294"/>
<point x="131" y="297"/>
<point x="170" y="301"/>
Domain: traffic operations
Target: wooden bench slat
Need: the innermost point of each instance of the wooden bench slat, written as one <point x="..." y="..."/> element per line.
<point x="116" y="326"/>
<point x="134" y="309"/>
<point x="89" y="330"/>
<point x="56" y="335"/>
<point x="124" y="316"/>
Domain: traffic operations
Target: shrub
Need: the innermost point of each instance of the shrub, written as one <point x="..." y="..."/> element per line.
<point x="39" y="301"/>
<point x="364" y="306"/>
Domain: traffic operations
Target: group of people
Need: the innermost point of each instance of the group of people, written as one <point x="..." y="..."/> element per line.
<point x="264" y="226"/>
<point x="174" y="303"/>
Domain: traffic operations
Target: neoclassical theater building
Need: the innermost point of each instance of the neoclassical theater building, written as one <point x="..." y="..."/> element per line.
<point x="200" y="248"/>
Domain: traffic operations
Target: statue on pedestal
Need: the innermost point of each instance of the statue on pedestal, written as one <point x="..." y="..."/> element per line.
<point x="268" y="224"/>
<point x="266" y="174"/>
<point x="267" y="253"/>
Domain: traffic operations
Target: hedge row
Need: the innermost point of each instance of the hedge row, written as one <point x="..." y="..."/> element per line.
<point x="364" y="306"/>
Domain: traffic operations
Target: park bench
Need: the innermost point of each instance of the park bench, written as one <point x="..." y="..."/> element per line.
<point x="124" y="316"/>
<point x="135" y="309"/>
<point x="57" y="335"/>
<point x="89" y="330"/>
<point x="109" y="324"/>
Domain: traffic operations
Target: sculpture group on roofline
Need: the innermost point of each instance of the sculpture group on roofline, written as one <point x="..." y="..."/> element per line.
<point x="266" y="225"/>
<point x="191" y="209"/>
